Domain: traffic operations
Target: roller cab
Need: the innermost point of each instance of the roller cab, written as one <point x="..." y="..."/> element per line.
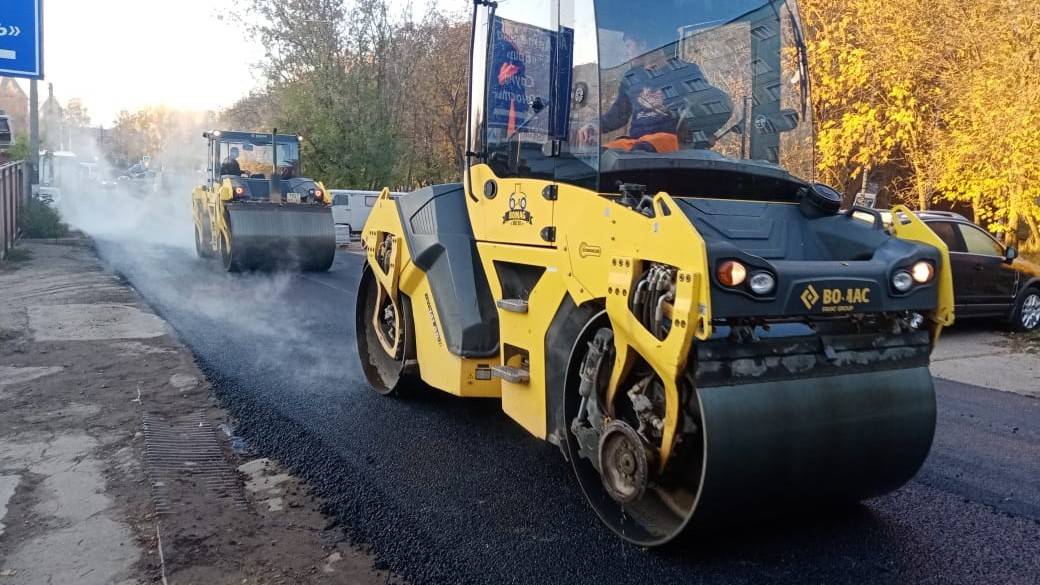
<point x="255" y="212"/>
<point x="639" y="267"/>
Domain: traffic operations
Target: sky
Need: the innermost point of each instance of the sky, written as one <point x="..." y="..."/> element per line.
<point x="129" y="54"/>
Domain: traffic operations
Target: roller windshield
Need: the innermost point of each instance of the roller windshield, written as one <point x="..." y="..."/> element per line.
<point x="696" y="98"/>
<point x="723" y="76"/>
<point x="255" y="155"/>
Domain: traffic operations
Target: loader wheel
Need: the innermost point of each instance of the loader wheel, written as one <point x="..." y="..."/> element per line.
<point x="227" y="256"/>
<point x="388" y="354"/>
<point x="202" y="244"/>
<point x="614" y="459"/>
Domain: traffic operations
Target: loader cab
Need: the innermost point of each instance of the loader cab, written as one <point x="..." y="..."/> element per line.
<point x="706" y="98"/>
<point x="259" y="155"/>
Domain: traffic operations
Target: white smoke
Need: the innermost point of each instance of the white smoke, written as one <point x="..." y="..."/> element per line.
<point x="128" y="214"/>
<point x="149" y="237"/>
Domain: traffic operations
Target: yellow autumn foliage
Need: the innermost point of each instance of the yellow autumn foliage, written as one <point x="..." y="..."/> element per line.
<point x="944" y="95"/>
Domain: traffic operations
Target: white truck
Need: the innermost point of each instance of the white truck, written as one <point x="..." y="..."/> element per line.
<point x="59" y="170"/>
<point x="350" y="211"/>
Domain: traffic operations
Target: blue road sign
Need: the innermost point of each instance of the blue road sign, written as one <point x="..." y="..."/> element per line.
<point x="21" y="38"/>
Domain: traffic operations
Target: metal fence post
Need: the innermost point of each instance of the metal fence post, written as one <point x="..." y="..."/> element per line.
<point x="12" y="198"/>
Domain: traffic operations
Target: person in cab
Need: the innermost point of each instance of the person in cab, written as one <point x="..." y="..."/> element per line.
<point x="641" y="104"/>
<point x="230" y="165"/>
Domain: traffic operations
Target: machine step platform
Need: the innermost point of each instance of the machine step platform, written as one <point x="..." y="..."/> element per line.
<point x="512" y="305"/>
<point x="511" y="374"/>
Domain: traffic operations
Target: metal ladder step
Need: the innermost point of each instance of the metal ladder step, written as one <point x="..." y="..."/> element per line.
<point x="512" y="305"/>
<point x="511" y="374"/>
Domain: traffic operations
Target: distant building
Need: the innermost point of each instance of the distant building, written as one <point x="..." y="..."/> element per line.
<point x="14" y="101"/>
<point x="52" y="123"/>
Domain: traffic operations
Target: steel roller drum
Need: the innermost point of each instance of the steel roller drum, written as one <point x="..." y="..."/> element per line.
<point x="268" y="236"/>
<point x="761" y="447"/>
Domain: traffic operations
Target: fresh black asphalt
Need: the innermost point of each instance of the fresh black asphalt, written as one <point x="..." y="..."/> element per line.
<point x="452" y="491"/>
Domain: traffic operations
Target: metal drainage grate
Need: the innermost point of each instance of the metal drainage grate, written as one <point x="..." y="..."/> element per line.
<point x="183" y="455"/>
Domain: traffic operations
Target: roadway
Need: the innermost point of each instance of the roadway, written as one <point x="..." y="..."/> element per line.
<point x="447" y="490"/>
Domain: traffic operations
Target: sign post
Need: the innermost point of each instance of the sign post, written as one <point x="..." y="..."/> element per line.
<point x="21" y="55"/>
<point x="21" y="39"/>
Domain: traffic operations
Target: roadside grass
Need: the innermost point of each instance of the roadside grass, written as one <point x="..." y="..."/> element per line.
<point x="39" y="220"/>
<point x="15" y="258"/>
<point x="18" y="255"/>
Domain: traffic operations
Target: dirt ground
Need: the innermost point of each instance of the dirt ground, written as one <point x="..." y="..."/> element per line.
<point x="116" y="465"/>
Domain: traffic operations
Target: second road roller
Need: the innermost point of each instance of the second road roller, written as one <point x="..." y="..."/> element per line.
<point x="255" y="212"/>
<point x="640" y="267"/>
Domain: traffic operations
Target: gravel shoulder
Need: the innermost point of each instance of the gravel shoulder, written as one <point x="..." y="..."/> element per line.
<point x="116" y="464"/>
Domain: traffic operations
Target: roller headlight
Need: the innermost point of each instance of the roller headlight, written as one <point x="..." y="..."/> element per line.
<point x="762" y="283"/>
<point x="731" y="273"/>
<point x="902" y="281"/>
<point x="922" y="272"/>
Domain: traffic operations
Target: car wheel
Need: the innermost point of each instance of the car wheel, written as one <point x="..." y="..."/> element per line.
<point x="1027" y="312"/>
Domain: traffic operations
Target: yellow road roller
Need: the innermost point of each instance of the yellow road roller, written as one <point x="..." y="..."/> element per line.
<point x="639" y="266"/>
<point x="255" y="212"/>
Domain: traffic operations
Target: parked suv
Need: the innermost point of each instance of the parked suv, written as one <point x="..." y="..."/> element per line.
<point x="989" y="280"/>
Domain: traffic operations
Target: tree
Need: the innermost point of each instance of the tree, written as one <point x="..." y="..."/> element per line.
<point x="20" y="149"/>
<point x="379" y="102"/>
<point x="434" y="119"/>
<point x="76" y="115"/>
<point x="989" y="156"/>
<point x="169" y="137"/>
<point x="874" y="67"/>
<point x="943" y="95"/>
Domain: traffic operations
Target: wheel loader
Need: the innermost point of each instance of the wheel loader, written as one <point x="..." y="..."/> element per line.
<point x="254" y="212"/>
<point x="640" y="268"/>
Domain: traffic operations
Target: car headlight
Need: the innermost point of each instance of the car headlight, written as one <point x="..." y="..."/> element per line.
<point x="902" y="281"/>
<point x="762" y="283"/>
<point x="922" y="272"/>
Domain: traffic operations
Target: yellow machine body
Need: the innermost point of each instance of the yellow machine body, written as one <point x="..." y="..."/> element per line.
<point x="634" y="268"/>
<point x="595" y="260"/>
<point x="207" y="211"/>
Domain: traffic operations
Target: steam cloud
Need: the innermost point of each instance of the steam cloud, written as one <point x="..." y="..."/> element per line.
<point x="149" y="238"/>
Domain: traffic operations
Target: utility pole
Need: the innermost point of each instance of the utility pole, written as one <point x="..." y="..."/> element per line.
<point x="33" y="174"/>
<point x="34" y="131"/>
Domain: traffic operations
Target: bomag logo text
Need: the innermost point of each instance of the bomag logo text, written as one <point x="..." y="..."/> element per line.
<point x="518" y="214"/>
<point x="835" y="300"/>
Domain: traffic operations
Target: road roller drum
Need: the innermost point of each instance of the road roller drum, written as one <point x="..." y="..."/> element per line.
<point x="267" y="236"/>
